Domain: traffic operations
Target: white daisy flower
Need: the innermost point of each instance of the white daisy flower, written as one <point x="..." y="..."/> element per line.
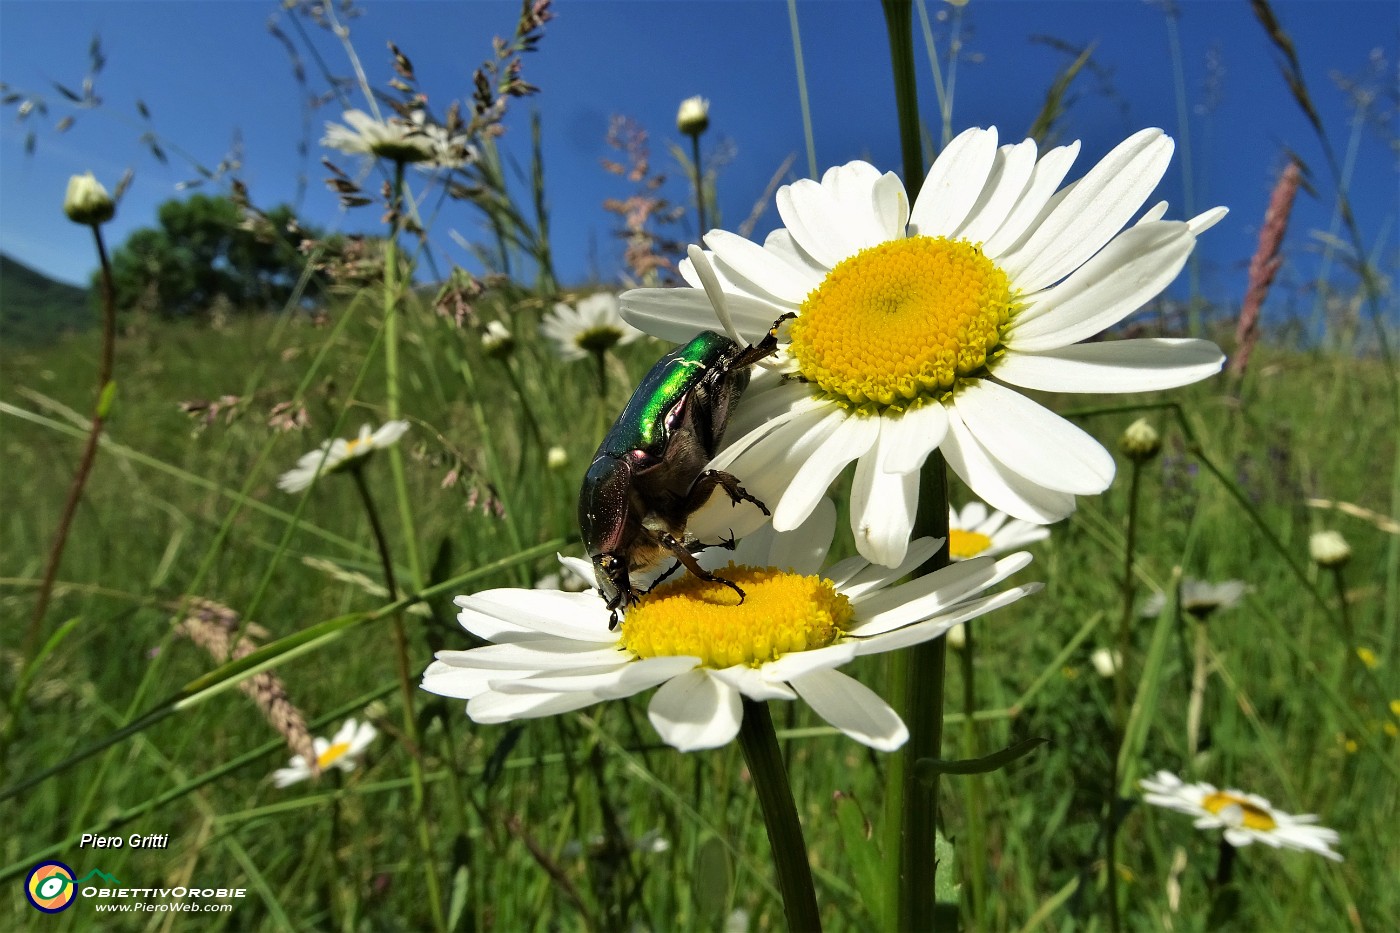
<point x="1246" y="818"/>
<point x="977" y="531"/>
<point x="395" y="139"/>
<point x="1200" y="598"/>
<point x="343" y="751"/>
<point x="553" y="652"/>
<point x="592" y="327"/>
<point x="338" y="454"/>
<point x="916" y="329"/>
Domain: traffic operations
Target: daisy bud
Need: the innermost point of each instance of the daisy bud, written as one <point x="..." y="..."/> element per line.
<point x="557" y="458"/>
<point x="957" y="637"/>
<point x="497" y="341"/>
<point x="694" y="116"/>
<point x="1106" y="662"/>
<point x="87" y="202"/>
<point x="1329" y="549"/>
<point x="1140" y="442"/>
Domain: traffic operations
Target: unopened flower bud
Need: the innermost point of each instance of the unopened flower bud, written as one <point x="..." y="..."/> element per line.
<point x="557" y="458"/>
<point x="87" y="202"/>
<point x="1140" y="442"/>
<point x="497" y="341"/>
<point x="694" y="116"/>
<point x="957" y="637"/>
<point x="1329" y="549"/>
<point x="1106" y="662"/>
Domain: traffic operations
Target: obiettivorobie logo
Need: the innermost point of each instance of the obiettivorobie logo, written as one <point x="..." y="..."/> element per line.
<point x="51" y="887"/>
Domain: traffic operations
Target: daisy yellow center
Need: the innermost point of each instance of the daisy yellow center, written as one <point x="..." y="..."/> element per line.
<point x="352" y="445"/>
<point x="1255" y="817"/>
<point x="782" y="612"/>
<point x="332" y="754"/>
<point x="598" y="339"/>
<point x="965" y="544"/>
<point x="897" y="324"/>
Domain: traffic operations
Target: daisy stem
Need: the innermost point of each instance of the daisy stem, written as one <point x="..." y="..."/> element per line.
<point x="391" y="372"/>
<point x="911" y="806"/>
<point x="699" y="183"/>
<point x="1120" y="696"/>
<point x="759" y="741"/>
<point x="976" y="798"/>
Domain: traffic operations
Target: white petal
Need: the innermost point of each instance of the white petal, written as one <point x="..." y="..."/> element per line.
<point x="750" y="682"/>
<point x="814" y="219"/>
<point x="765" y="270"/>
<point x="853" y="708"/>
<point x="1050" y="170"/>
<point x="1033" y="441"/>
<point x="696" y="710"/>
<point x="973" y="515"/>
<point x="800" y="663"/>
<point x="1141" y="365"/>
<point x="769" y="466"/>
<point x="851" y="439"/>
<point x="853" y="187"/>
<point x="954" y="183"/>
<point x="1154" y="213"/>
<point x="804" y="549"/>
<point x="1099" y="206"/>
<point x="579" y="616"/>
<point x="920" y="632"/>
<point x="623" y="681"/>
<point x="1001" y="487"/>
<point x="882" y="511"/>
<point x="780" y="243"/>
<point x="907" y="440"/>
<point x="1136" y="266"/>
<point x="858" y="578"/>
<point x="1011" y="173"/>
<point x="493" y="707"/>
<point x="1207" y="219"/>
<point x="678" y="314"/>
<point x="534" y="657"/>
<point x="922" y="597"/>
<point x="891" y="207"/>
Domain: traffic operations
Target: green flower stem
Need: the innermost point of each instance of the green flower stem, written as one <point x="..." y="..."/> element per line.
<point x="699" y="184"/>
<point x="410" y="719"/>
<point x="759" y="742"/>
<point x="1120" y="697"/>
<point x="976" y="791"/>
<point x="105" y="388"/>
<point x="900" y="26"/>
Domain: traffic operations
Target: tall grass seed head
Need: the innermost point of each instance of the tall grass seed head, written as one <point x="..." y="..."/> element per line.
<point x="87" y="202"/>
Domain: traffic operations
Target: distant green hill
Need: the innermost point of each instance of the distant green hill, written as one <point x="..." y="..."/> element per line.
<point x="35" y="309"/>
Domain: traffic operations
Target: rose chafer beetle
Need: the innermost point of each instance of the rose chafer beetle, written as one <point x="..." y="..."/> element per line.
<point x="648" y="476"/>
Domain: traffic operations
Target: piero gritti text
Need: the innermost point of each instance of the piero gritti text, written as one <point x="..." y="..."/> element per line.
<point x="134" y="841"/>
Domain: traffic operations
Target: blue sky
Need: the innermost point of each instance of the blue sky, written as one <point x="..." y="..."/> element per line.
<point x="209" y="70"/>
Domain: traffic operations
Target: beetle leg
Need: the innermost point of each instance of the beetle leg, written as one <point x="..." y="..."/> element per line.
<point x="685" y="557"/>
<point x="705" y="485"/>
<point x="765" y="347"/>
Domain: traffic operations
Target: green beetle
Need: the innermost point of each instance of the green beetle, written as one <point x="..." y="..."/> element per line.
<point x="648" y="476"/>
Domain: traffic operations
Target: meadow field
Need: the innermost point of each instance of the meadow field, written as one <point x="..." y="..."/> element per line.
<point x="213" y="610"/>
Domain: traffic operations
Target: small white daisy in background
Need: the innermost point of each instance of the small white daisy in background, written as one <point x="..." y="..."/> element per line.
<point x="693" y="116"/>
<point x="553" y="652"/>
<point x="497" y="340"/>
<point x="1246" y="818"/>
<point x="1200" y="598"/>
<point x="394" y="139"/>
<point x="977" y="531"/>
<point x="594" y="325"/>
<point x="343" y="751"/>
<point x="916" y="329"/>
<point x="1106" y="661"/>
<point x="339" y="454"/>
<point x="1329" y="549"/>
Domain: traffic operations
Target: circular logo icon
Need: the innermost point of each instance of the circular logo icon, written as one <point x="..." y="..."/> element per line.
<point x="50" y="887"/>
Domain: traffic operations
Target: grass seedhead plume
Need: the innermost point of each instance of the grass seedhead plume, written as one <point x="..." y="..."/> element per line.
<point x="1264" y="265"/>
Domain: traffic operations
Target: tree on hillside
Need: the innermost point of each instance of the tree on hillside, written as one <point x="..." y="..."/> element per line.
<point x="206" y="250"/>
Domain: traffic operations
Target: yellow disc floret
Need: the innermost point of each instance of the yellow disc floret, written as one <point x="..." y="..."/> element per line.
<point x="1255" y="816"/>
<point x="898" y="323"/>
<point x="332" y="754"/>
<point x="782" y="612"/>
<point x="965" y="544"/>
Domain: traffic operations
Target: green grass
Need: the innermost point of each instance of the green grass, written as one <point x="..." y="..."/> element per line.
<point x="518" y="812"/>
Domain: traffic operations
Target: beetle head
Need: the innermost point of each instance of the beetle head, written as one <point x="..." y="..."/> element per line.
<point x="607" y="525"/>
